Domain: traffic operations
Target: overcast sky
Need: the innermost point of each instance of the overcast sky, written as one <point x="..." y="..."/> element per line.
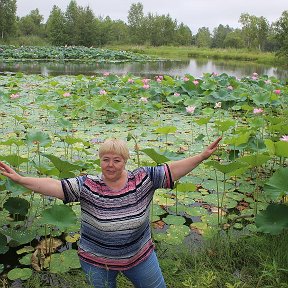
<point x="193" y="13"/>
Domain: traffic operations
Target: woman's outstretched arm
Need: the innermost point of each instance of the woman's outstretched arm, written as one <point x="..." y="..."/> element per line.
<point x="44" y="186"/>
<point x="182" y="167"/>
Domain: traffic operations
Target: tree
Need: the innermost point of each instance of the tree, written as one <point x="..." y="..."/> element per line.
<point x="86" y="20"/>
<point x="7" y="18"/>
<point x="31" y="24"/>
<point x="234" y="39"/>
<point x="136" y="22"/>
<point x="203" y="38"/>
<point x="219" y="35"/>
<point x="73" y="29"/>
<point x="281" y="34"/>
<point x="183" y="35"/>
<point x="255" y="30"/>
<point x="161" y="29"/>
<point x="55" y="26"/>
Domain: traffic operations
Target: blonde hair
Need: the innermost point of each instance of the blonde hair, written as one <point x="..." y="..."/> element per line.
<point x="113" y="145"/>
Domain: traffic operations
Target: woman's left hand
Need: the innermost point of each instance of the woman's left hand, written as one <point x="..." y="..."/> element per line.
<point x="210" y="149"/>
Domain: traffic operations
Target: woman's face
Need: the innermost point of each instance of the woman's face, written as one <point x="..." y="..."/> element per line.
<point x="112" y="166"/>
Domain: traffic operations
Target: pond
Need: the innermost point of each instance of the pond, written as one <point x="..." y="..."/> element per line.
<point x="195" y="67"/>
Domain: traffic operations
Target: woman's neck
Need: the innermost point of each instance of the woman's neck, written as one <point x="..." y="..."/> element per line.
<point x="116" y="184"/>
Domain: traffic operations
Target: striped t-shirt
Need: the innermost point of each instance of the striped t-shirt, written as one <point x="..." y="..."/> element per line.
<point x="115" y="226"/>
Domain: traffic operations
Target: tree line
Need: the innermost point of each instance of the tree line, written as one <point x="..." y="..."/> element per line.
<point x="79" y="26"/>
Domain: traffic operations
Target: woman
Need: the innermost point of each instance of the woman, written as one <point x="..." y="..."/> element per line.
<point x="115" y="227"/>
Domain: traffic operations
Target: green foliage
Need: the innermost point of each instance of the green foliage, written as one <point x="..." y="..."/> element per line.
<point x="16" y="205"/>
<point x="281" y="32"/>
<point x="273" y="220"/>
<point x="276" y="187"/>
<point x="69" y="53"/>
<point x="60" y="216"/>
<point x="72" y="116"/>
<point x="255" y="30"/>
<point x="20" y="273"/>
<point x="7" y="18"/>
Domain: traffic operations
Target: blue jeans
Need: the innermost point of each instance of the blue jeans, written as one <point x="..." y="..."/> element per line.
<point x="146" y="274"/>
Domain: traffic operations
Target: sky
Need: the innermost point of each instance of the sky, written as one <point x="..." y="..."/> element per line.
<point x="193" y="13"/>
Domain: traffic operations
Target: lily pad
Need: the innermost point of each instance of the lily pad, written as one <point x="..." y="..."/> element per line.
<point x="19" y="273"/>
<point x="176" y="234"/>
<point x="172" y="219"/>
<point x="65" y="261"/>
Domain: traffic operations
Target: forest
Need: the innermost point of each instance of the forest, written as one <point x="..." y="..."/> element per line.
<point x="79" y="26"/>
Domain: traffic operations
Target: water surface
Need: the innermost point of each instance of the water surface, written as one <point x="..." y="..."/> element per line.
<point x="195" y="67"/>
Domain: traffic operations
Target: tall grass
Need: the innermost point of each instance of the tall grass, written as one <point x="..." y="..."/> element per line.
<point x="184" y="52"/>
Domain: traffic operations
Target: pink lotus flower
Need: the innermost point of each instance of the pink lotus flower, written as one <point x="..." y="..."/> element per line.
<point x="145" y="81"/>
<point x="106" y="74"/>
<point x="159" y="78"/>
<point x="214" y="74"/>
<point x="176" y="94"/>
<point x="14" y="96"/>
<point x="146" y="86"/>
<point x="190" y="109"/>
<point x="277" y="91"/>
<point x="254" y="76"/>
<point x="284" y="138"/>
<point x="66" y="94"/>
<point x="230" y="87"/>
<point x="130" y="81"/>
<point x="144" y="100"/>
<point x="267" y="81"/>
<point x="258" y="110"/>
<point x="186" y="79"/>
<point x="196" y="82"/>
<point x="102" y="92"/>
<point x="218" y="105"/>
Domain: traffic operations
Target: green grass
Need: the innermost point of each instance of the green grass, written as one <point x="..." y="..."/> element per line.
<point x="184" y="52"/>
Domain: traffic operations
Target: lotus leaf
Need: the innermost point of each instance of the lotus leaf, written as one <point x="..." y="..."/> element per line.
<point x="26" y="260"/>
<point x="176" y="234"/>
<point x="19" y="273"/>
<point x="65" y="261"/>
<point x="25" y="249"/>
<point x="20" y="236"/>
<point x="172" y="219"/>
<point x="38" y="137"/>
<point x="277" y="185"/>
<point x="61" y="216"/>
<point x="273" y="220"/>
<point x="3" y="243"/>
<point x="186" y="187"/>
<point x="14" y="160"/>
<point x="158" y="158"/>
<point x="196" y="211"/>
<point x="64" y="167"/>
<point x="16" y="205"/>
<point x="15" y="188"/>
<point x="226" y="168"/>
